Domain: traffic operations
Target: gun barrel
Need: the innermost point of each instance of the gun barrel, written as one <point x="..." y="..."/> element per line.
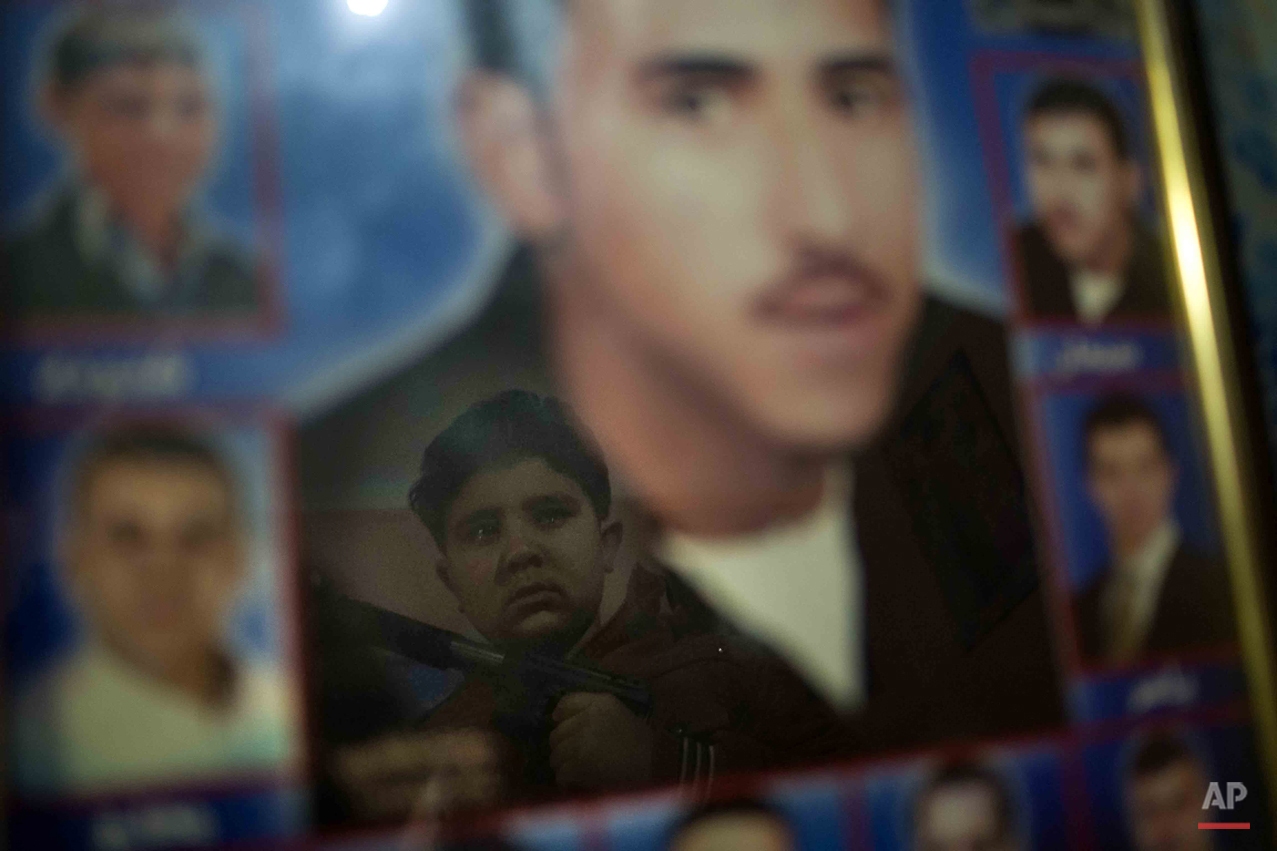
<point x="418" y="641"/>
<point x="440" y="648"/>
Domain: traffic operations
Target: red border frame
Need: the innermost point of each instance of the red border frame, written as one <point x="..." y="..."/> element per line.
<point x="276" y="427"/>
<point x="1032" y="395"/>
<point x="267" y="321"/>
<point x="984" y="67"/>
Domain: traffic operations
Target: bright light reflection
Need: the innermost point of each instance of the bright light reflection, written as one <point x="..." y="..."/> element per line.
<point x="370" y="8"/>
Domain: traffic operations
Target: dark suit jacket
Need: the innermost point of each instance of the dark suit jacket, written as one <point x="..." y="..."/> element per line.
<point x="1047" y="294"/>
<point x="46" y="275"/>
<point x="1194" y="609"/>
<point x="957" y="636"/>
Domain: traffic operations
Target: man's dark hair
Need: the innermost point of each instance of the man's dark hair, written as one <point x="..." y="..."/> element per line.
<point x="94" y="37"/>
<point x="1157" y="752"/>
<point x="718" y="809"/>
<point x="1075" y="97"/>
<point x="963" y="773"/>
<point x="145" y="442"/>
<point x="509" y="427"/>
<point x="1119" y="410"/>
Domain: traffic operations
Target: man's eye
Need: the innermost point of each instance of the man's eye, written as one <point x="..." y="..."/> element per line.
<point x="858" y="98"/>
<point x="1085" y="163"/>
<point x="192" y="107"/>
<point x="126" y="535"/>
<point x="126" y="106"/>
<point x="200" y="539"/>
<point x="699" y="103"/>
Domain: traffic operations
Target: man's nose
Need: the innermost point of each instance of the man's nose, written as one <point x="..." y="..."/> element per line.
<point x="162" y="561"/>
<point x="162" y="121"/>
<point x="811" y="196"/>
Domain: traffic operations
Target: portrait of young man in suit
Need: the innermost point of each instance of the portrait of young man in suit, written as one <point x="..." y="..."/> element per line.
<point x="1085" y="255"/>
<point x="1155" y="593"/>
<point x="128" y="94"/>
<point x="716" y="209"/>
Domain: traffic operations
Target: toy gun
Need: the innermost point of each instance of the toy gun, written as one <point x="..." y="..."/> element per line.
<point x="530" y="683"/>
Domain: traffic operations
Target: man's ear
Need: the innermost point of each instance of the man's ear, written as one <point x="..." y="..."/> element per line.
<point x="609" y="543"/>
<point x="504" y="140"/>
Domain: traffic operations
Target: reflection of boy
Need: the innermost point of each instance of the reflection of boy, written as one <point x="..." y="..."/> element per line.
<point x="153" y="558"/>
<point x="1165" y="785"/>
<point x="1085" y="255"/>
<point x="1154" y="594"/>
<point x="519" y="505"/>
<point x="965" y="806"/>
<point x="129" y="96"/>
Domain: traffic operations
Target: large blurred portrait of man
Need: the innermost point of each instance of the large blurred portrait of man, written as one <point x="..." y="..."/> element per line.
<point x="152" y="557"/>
<point x="129" y="97"/>
<point x="1164" y="785"/>
<point x="965" y="807"/>
<point x="716" y="205"/>
<point x="1085" y="256"/>
<point x="1155" y="593"/>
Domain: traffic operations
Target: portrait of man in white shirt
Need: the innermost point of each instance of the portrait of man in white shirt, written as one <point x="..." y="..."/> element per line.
<point x="152" y="550"/>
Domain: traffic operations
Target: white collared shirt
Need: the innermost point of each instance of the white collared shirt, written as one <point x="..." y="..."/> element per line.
<point x="797" y="587"/>
<point x="1095" y="294"/>
<point x="96" y="722"/>
<point x="1130" y="597"/>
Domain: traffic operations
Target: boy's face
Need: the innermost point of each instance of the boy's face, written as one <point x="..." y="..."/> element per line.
<point x="1132" y="480"/>
<point x="1082" y="191"/>
<point x="142" y="132"/>
<point x="155" y="559"/>
<point x="526" y="555"/>
<point x="732" y="184"/>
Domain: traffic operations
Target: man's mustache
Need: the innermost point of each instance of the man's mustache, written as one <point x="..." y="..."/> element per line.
<point x="827" y="270"/>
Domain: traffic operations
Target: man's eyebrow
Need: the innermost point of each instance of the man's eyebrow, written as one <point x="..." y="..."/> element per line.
<point x="694" y="65"/>
<point x="859" y="63"/>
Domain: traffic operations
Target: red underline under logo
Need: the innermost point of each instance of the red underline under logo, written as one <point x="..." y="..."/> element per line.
<point x="1223" y="825"/>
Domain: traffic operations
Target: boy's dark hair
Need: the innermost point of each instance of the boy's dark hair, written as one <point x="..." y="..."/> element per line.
<point x="1072" y="97"/>
<point x="511" y="426"/>
<point x="728" y="807"/>
<point x="962" y="773"/>
<point x="94" y="37"/>
<point x="143" y="442"/>
<point x="1123" y="409"/>
<point x="1157" y="752"/>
